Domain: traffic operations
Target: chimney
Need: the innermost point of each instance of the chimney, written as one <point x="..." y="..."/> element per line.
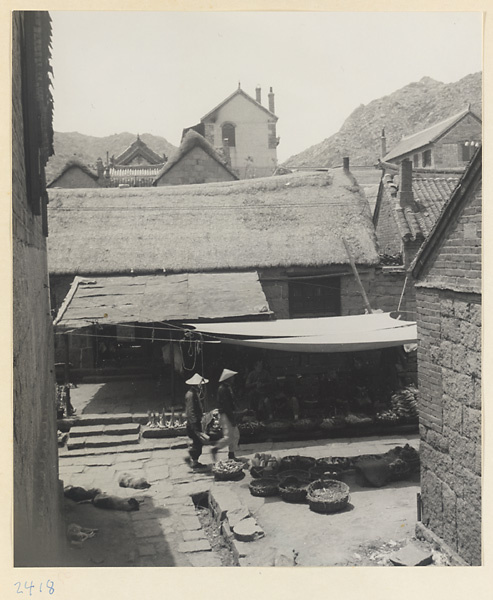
<point x="100" y="168"/>
<point x="406" y="196"/>
<point x="258" y="94"/>
<point x="271" y="101"/>
<point x="345" y="163"/>
<point x="226" y="152"/>
<point x="383" y="141"/>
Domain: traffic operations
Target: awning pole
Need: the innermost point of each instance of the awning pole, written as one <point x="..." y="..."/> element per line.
<point x="66" y="366"/>
<point x="356" y="275"/>
<point x="172" y="359"/>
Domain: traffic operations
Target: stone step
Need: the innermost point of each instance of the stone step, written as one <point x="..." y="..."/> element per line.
<point x="112" y="429"/>
<point x="96" y="419"/>
<point x="102" y="441"/>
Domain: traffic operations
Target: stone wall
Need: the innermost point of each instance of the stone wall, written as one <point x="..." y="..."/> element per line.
<point x="37" y="516"/>
<point x="195" y="167"/>
<point x="449" y="372"/>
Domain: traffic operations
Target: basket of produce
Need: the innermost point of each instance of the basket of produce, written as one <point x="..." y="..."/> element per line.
<point x="249" y="428"/>
<point x="227" y="470"/>
<point x="264" y="487"/>
<point x="263" y="465"/>
<point x="277" y="426"/>
<point x="405" y="403"/>
<point x="399" y="469"/>
<point x="334" y="463"/>
<point x="296" y="463"/>
<point x="293" y="489"/>
<point x="387" y="417"/>
<point x="306" y="424"/>
<point x="320" y="473"/>
<point x="327" y="496"/>
<point x="297" y="473"/>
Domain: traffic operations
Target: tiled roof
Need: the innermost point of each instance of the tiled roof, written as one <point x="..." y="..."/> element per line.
<point x="430" y="195"/>
<point x="426" y="136"/>
<point x="138" y="148"/>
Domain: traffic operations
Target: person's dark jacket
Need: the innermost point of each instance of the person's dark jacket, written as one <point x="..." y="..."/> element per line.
<point x="193" y="410"/>
<point x="226" y="402"/>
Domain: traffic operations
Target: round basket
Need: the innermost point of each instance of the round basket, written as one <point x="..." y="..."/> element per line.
<point x="320" y="472"/>
<point x="399" y="469"/>
<point x="297" y="474"/>
<point x="297" y="463"/>
<point x="292" y="489"/>
<point x="327" y="496"/>
<point x="229" y="470"/>
<point x="264" y="487"/>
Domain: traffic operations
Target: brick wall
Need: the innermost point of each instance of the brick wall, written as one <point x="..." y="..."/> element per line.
<point x="37" y="522"/>
<point x="388" y="236"/>
<point x="457" y="261"/>
<point x="449" y="374"/>
<point x="195" y="167"/>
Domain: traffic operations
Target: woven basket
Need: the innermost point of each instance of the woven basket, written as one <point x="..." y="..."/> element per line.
<point x="292" y="489"/>
<point x="335" y="498"/>
<point x="320" y="472"/>
<point x="298" y="474"/>
<point x="233" y="474"/>
<point x="297" y="463"/>
<point x="264" y="487"/>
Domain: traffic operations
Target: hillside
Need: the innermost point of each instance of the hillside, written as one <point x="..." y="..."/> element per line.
<point x="404" y="112"/>
<point x="87" y="149"/>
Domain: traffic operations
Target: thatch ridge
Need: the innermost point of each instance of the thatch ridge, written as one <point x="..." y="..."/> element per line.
<point x="297" y="219"/>
<point x="191" y="140"/>
<point x="69" y="165"/>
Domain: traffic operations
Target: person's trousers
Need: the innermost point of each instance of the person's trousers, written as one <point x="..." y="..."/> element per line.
<point x="195" y="448"/>
<point x="231" y="434"/>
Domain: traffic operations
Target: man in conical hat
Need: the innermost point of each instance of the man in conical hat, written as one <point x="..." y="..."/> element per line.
<point x="194" y="412"/>
<point x="226" y="407"/>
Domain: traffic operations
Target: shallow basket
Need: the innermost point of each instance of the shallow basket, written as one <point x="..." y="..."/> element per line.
<point x="264" y="487"/>
<point x="293" y="492"/>
<point x="222" y="475"/>
<point x="297" y="463"/>
<point x="297" y="473"/>
<point x="334" y="500"/>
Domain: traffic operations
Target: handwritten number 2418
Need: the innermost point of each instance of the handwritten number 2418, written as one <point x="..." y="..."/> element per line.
<point x="50" y="587"/>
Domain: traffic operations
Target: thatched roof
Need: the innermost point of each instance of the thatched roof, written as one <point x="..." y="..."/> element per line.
<point x="71" y="164"/>
<point x="193" y="140"/>
<point x="290" y="220"/>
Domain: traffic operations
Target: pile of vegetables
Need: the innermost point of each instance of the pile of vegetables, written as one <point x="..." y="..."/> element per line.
<point x="358" y="420"/>
<point x="227" y="469"/>
<point x="405" y="402"/>
<point x="387" y="417"/>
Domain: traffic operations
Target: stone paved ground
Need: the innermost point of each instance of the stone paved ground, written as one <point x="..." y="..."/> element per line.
<point x="166" y="531"/>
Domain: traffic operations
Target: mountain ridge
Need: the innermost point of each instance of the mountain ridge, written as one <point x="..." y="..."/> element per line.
<point x="406" y="111"/>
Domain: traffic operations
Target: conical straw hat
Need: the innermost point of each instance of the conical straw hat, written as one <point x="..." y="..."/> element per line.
<point x="196" y="380"/>
<point x="227" y="374"/>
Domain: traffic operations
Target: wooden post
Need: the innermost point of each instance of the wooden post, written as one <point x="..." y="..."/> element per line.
<point x="356" y="275"/>
<point x="66" y="366"/>
<point x="172" y="359"/>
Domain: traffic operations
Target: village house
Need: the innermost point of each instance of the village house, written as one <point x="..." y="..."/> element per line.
<point x="447" y="272"/>
<point x="408" y="204"/>
<point x="37" y="496"/>
<point x="195" y="161"/>
<point x="277" y="242"/>
<point x="245" y="130"/>
<point x="75" y="174"/>
<point x="449" y="143"/>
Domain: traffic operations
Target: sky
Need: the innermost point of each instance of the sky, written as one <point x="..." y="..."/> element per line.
<point x="158" y="72"/>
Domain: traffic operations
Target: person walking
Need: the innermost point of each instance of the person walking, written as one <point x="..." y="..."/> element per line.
<point x="226" y="407"/>
<point x="194" y="412"/>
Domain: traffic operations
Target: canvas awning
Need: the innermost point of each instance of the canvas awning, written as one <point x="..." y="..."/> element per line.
<point x="157" y="298"/>
<point x="324" y="334"/>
